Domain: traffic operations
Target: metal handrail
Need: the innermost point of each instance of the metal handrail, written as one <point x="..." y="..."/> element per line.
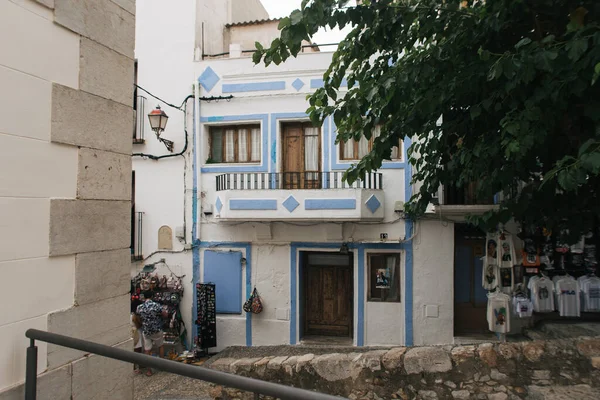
<point x="255" y="386"/>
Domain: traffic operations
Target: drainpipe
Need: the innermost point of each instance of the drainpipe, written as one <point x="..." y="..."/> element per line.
<point x="197" y="164"/>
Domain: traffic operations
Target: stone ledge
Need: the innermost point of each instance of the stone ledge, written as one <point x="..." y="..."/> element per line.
<point x="100" y="20"/>
<point x="105" y="124"/>
<point x="82" y="226"/>
<point x="486" y="371"/>
<point x="103" y="175"/>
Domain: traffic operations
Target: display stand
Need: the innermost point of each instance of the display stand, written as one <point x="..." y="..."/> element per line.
<point x="206" y="319"/>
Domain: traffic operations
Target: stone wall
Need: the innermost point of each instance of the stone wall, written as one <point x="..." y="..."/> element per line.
<point x="68" y="75"/>
<point x="530" y="370"/>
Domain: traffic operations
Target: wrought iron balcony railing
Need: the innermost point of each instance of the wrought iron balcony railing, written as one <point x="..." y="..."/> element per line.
<point x="295" y="180"/>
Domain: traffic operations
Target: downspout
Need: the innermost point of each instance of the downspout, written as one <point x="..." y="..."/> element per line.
<point x="197" y="154"/>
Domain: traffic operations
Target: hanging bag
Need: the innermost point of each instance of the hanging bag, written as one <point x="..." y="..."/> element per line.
<point x="248" y="304"/>
<point x="257" y="306"/>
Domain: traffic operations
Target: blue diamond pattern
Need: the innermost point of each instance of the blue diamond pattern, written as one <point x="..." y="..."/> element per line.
<point x="219" y="204"/>
<point x="291" y="204"/>
<point x="373" y="204"/>
<point x="209" y="79"/>
<point x="298" y="84"/>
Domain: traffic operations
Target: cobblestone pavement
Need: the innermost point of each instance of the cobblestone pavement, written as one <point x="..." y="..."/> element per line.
<point x="163" y="386"/>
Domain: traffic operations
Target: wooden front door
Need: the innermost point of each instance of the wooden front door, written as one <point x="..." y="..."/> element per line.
<point x="328" y="309"/>
<point x="301" y="156"/>
<point x="470" y="300"/>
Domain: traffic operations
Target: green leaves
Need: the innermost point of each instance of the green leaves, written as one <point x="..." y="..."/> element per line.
<point x="515" y="85"/>
<point x="576" y="48"/>
<point x="295" y="17"/>
<point x="522" y="42"/>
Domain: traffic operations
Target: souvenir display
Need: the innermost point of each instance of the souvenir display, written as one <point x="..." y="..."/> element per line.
<point x="168" y="297"/>
<point x="207" y="318"/>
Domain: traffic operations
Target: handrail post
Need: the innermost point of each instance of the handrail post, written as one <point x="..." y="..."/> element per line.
<point x="31" y="371"/>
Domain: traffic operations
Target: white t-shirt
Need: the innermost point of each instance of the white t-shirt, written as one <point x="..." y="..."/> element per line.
<point x="498" y="312"/>
<point x="490" y="276"/>
<point x="506" y="251"/>
<point x="567" y="290"/>
<point x="523" y="307"/>
<point x="542" y="290"/>
<point x="590" y="288"/>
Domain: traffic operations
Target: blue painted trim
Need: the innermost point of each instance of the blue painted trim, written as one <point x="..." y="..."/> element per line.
<point x="248" y="291"/>
<point x="361" y="294"/>
<point x="293" y="293"/>
<point x="360" y="323"/>
<point x="195" y="250"/>
<point x="253" y="87"/>
<point x="326" y="150"/>
<point x="196" y="274"/>
<point x="408" y="268"/>
<point x="208" y="79"/>
<point x="233" y="168"/>
<point x="316" y="83"/>
<point x="252" y="204"/>
<point x="336" y="164"/>
<point x="330" y="204"/>
<point x="319" y="83"/>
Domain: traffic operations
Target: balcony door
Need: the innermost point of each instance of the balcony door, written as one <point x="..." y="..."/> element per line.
<point x="301" y="143"/>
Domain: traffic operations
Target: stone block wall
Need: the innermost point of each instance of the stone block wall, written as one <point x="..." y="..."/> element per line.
<point x="528" y="370"/>
<point x="65" y="146"/>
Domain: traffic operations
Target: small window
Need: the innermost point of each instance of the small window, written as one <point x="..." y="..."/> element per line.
<point x="356" y="150"/>
<point x="384" y="278"/>
<point x="235" y="144"/>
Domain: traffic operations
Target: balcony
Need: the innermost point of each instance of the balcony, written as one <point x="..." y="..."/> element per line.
<point x="298" y="196"/>
<point x="456" y="202"/>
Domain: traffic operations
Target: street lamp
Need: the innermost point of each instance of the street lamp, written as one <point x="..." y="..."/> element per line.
<point x="158" y="122"/>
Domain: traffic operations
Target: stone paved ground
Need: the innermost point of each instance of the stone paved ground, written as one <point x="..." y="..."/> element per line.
<point x="163" y="386"/>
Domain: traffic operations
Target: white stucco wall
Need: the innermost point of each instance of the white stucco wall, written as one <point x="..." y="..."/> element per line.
<point x="213" y="15"/>
<point x="164" y="50"/>
<point x="247" y="35"/>
<point x="34" y="170"/>
<point x="433" y="287"/>
<point x="247" y="10"/>
<point x="160" y="193"/>
<point x="384" y="322"/>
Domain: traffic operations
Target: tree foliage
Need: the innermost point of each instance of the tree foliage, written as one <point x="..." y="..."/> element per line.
<point x="515" y="82"/>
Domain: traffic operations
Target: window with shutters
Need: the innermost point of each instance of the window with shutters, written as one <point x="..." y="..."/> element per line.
<point x="234" y="144"/>
<point x="356" y="150"/>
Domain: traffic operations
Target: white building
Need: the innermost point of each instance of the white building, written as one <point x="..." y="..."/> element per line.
<point x="259" y="199"/>
<point x="66" y="72"/>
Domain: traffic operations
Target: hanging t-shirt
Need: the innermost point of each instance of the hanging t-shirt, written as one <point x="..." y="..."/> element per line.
<point x="542" y="290"/>
<point x="523" y="307"/>
<point x="590" y="288"/>
<point x="506" y="280"/>
<point x="531" y="254"/>
<point x="507" y="250"/>
<point x="567" y="290"/>
<point x="498" y="313"/>
<point x="490" y="276"/>
<point x="491" y="249"/>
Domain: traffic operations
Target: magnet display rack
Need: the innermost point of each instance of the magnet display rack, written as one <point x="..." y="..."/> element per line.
<point x="206" y="319"/>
